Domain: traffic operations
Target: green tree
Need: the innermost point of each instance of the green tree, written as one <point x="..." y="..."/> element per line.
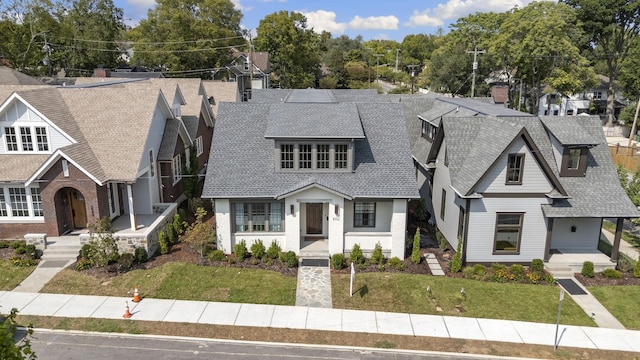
<point x="182" y="35"/>
<point x="9" y="349"/>
<point x="450" y="70"/>
<point x="611" y="27"/>
<point x="200" y="233"/>
<point x="415" y="251"/>
<point x="293" y="48"/>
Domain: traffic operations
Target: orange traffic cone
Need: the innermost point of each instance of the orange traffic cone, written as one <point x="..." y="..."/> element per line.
<point x="127" y="314"/>
<point x="136" y="295"/>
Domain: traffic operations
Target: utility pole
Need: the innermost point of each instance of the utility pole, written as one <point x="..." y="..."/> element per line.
<point x="397" y="52"/>
<point x="377" y="65"/>
<point x="475" y="53"/>
<point x="413" y="68"/>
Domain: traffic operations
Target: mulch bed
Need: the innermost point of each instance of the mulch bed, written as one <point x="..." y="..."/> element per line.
<point x="600" y="280"/>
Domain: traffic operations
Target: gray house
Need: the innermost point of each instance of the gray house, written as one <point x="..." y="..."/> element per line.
<point x="311" y="169"/>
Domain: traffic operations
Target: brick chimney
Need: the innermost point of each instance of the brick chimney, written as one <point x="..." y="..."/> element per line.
<point x="101" y="72"/>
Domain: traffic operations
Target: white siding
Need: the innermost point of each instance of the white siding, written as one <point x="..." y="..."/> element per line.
<point x="442" y="180"/>
<point x="223" y="225"/>
<point x="585" y="237"/>
<point x="557" y="151"/>
<point x="141" y="199"/>
<point x="482" y="222"/>
<point x="534" y="179"/>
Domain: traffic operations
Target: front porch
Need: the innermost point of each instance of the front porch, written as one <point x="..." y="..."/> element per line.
<point x="565" y="260"/>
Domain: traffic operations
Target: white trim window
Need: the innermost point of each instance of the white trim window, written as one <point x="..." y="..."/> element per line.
<point x="258" y="217"/>
<point x="199" y="146"/>
<point x="19" y="203"/>
<point x="22" y="203"/>
<point x="176" y="168"/>
<point x="36" y="202"/>
<point x="364" y="214"/>
<point x="3" y="204"/>
<point x="31" y="139"/>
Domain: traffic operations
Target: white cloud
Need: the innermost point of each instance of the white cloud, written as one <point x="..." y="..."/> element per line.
<point x="322" y="20"/>
<point x="374" y="23"/>
<point x="454" y="9"/>
<point x="142" y="3"/>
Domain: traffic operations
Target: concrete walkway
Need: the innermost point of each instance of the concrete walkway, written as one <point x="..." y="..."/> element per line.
<point x="312" y="318"/>
<point x="625" y="247"/>
<point x="434" y="265"/>
<point x="61" y="252"/>
<point x="314" y="286"/>
<point x="592" y="307"/>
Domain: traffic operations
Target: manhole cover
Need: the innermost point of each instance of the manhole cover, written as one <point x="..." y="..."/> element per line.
<point x="315" y="262"/>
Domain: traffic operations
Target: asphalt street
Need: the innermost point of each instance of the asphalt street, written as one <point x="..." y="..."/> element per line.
<point x="62" y="345"/>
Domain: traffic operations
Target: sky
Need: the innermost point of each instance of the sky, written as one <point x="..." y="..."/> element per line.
<point x="373" y="19"/>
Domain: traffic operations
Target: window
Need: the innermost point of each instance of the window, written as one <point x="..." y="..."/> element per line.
<point x="322" y="156"/>
<point x="18" y="200"/>
<point x="11" y="139"/>
<point x="574" y="159"/>
<point x="574" y="162"/>
<point x="555" y="112"/>
<point x="3" y="203"/>
<point x="341" y="156"/>
<point x="199" y="146"/>
<point x="597" y="95"/>
<point x="569" y="112"/>
<point x="508" y="233"/>
<point x="25" y="137"/>
<point x="364" y="214"/>
<point x="428" y="130"/>
<point x="112" y="197"/>
<point x="552" y="98"/>
<point x="260" y="217"/>
<point x="515" y="166"/>
<point x="461" y="219"/>
<point x="443" y="203"/>
<point x="36" y="201"/>
<point x="176" y="168"/>
<point x="152" y="170"/>
<point x="286" y="156"/>
<point x="41" y="139"/>
<point x="304" y="154"/>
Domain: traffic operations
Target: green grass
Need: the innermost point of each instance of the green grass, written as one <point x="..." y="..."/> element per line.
<point x="621" y="301"/>
<point x="11" y="276"/>
<point x="184" y="281"/>
<point x="626" y="235"/>
<point x="407" y="293"/>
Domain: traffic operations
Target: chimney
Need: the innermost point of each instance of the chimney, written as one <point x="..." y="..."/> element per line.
<point x="101" y="72"/>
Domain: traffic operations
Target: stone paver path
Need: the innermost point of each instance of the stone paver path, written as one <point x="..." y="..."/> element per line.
<point x="434" y="265"/>
<point x="314" y="287"/>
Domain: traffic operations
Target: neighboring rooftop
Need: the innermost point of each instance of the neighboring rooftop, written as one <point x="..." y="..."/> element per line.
<point x="9" y="76"/>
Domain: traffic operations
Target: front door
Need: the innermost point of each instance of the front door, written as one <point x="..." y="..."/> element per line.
<point x="78" y="209"/>
<point x="314" y="218"/>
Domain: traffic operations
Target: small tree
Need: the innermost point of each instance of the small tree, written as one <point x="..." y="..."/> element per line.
<point x="377" y="257"/>
<point x="636" y="269"/>
<point x="456" y="263"/>
<point x="356" y="256"/>
<point x="415" y="252"/>
<point x="103" y="244"/>
<point x="587" y="269"/>
<point x="199" y="234"/>
<point x="9" y="349"/>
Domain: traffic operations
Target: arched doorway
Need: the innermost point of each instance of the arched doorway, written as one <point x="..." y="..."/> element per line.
<point x="71" y="209"/>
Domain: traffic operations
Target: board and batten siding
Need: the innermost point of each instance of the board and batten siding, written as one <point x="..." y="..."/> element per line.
<point x="585" y="237"/>
<point x="534" y="179"/>
<point x="442" y="180"/>
<point x="21" y="115"/>
<point x="482" y="223"/>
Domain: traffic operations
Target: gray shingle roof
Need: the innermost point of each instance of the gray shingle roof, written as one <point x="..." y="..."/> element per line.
<point x="18" y="168"/>
<point x="484" y="107"/>
<point x="169" y="140"/>
<point x="9" y="76"/>
<point x="568" y="131"/>
<point x="241" y="162"/>
<point x="412" y="107"/>
<point x="313" y="120"/>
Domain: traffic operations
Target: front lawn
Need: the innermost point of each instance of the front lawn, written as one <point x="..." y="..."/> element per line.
<point x="627" y="236"/>
<point x="621" y="301"/>
<point x="11" y="275"/>
<point x="178" y="280"/>
<point x="407" y="293"/>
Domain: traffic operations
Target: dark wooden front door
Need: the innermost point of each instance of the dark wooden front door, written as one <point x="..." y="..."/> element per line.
<point x="78" y="209"/>
<point x="314" y="218"/>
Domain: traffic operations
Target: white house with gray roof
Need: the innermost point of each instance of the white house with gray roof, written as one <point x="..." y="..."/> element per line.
<point x="311" y="169"/>
<point x="514" y="187"/>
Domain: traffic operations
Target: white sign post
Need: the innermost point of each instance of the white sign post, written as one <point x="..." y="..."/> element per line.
<point x="353" y="275"/>
<point x="555" y="343"/>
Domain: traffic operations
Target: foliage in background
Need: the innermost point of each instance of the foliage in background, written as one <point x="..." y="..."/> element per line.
<point x="200" y="233"/>
<point x="9" y="349"/>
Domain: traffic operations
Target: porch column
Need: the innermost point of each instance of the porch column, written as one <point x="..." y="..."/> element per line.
<point x="132" y="213"/>
<point x="547" y="245"/>
<point x="616" y="241"/>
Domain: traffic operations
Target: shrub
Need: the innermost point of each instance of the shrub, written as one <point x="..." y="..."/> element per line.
<point x="377" y="257"/>
<point x="86" y="250"/>
<point x="533" y="278"/>
<point x="290" y="259"/>
<point x="274" y="250"/>
<point x="636" y="269"/>
<point x="83" y="264"/>
<point x="257" y="249"/>
<point x="587" y="269"/>
<point x="31" y="252"/>
<point x="396" y="263"/>
<point x="356" y="256"/>
<point x="415" y="252"/>
<point x="549" y="279"/>
<point x="4" y="244"/>
<point x="140" y="255"/>
<point x="240" y="249"/>
<point x="502" y="275"/>
<point x="163" y="243"/>
<point x="442" y="241"/>
<point x="21" y="250"/>
<point x="517" y="270"/>
<point x="15" y="244"/>
<point x="338" y="261"/>
<point x="468" y="272"/>
<point x="625" y="263"/>
<point x="178" y="224"/>
<point x="126" y="261"/>
<point x="217" y="255"/>
<point x="497" y="266"/>
<point x="612" y="273"/>
<point x="537" y="266"/>
<point x="171" y="233"/>
<point x="480" y="271"/>
<point x="456" y="263"/>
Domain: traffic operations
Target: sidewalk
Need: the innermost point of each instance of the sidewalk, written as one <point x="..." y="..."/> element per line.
<point x="310" y="318"/>
<point x="625" y="247"/>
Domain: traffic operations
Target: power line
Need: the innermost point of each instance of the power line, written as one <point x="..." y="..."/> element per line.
<point x="60" y="46"/>
<point x="152" y="43"/>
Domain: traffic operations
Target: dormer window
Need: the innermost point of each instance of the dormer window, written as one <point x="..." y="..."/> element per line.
<point x="429" y="130"/>
<point x="574" y="161"/>
<point x="515" y="166"/>
<point x="26" y="139"/>
<point x="314" y="156"/>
